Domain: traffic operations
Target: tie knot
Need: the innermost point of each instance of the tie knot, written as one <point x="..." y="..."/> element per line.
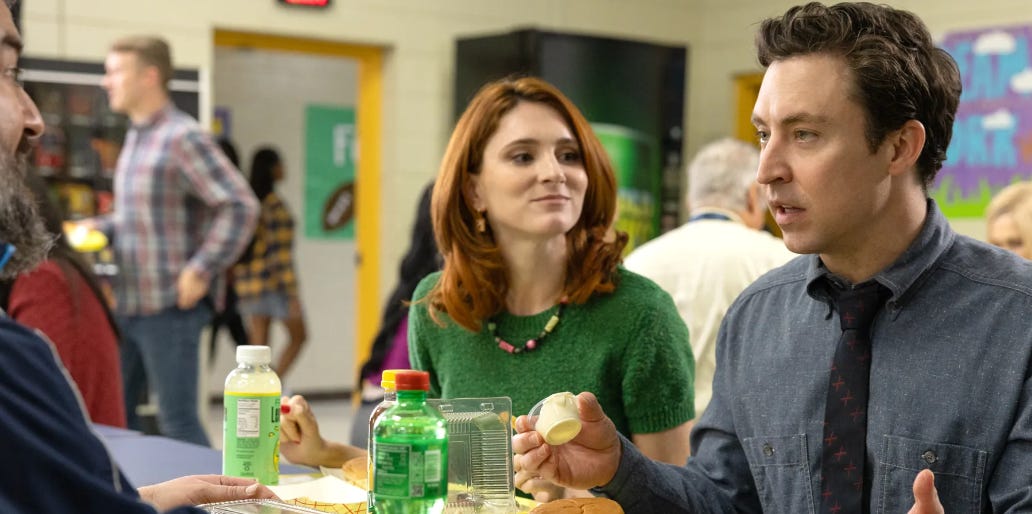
<point x="857" y="306"/>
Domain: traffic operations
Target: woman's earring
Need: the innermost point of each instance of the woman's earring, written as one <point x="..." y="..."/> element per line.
<point x="481" y="223"/>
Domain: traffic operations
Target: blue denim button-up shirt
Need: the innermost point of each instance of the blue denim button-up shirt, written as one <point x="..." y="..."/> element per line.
<point x="950" y="390"/>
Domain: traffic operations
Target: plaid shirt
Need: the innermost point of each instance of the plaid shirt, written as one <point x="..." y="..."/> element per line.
<point x="178" y="202"/>
<point x="271" y="267"/>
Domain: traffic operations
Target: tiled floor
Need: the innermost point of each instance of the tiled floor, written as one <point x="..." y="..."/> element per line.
<point x="334" y="420"/>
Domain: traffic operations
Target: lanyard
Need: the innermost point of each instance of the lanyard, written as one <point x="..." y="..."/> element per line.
<point x="710" y="216"/>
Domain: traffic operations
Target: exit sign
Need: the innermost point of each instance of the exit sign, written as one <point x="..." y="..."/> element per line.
<point x="306" y="3"/>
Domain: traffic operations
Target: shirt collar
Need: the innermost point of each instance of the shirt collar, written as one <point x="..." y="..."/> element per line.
<point x="907" y="271"/>
<point x="702" y="211"/>
<point x="159" y="116"/>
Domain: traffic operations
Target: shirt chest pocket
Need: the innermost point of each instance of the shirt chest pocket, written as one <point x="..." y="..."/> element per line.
<point x="959" y="474"/>
<point x="780" y="467"/>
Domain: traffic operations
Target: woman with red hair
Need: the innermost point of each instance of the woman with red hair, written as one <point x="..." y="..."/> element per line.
<point x="531" y="299"/>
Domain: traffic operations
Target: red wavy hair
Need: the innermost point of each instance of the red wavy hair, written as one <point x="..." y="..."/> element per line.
<point x="474" y="281"/>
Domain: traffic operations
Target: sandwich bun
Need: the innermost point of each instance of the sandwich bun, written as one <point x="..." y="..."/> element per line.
<point x="356" y="472"/>
<point x="579" y="506"/>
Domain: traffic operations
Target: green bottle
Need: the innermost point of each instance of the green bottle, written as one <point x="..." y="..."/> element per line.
<point x="410" y="452"/>
<point x="250" y="428"/>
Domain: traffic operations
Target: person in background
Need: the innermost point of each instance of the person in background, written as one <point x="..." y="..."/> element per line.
<point x="1008" y="219"/>
<point x="532" y="300"/>
<point x="62" y="298"/>
<point x="266" y="276"/>
<point x="390" y="346"/>
<point x="705" y="263"/>
<point x="229" y="315"/>
<point x="888" y="370"/>
<point x="182" y="215"/>
<point x="56" y="462"/>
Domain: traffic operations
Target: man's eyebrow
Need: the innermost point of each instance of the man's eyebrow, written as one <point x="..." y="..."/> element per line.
<point x="804" y="117"/>
<point x="792" y="119"/>
<point x="12" y="41"/>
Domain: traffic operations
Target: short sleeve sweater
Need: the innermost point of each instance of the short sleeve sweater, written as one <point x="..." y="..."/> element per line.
<point x="630" y="348"/>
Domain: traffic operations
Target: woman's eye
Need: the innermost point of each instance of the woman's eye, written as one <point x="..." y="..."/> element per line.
<point x="570" y="156"/>
<point x="522" y="158"/>
<point x="762" y="136"/>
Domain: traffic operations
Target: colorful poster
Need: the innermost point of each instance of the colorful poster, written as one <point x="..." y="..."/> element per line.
<point x="634" y="159"/>
<point x="331" y="154"/>
<point x="992" y="135"/>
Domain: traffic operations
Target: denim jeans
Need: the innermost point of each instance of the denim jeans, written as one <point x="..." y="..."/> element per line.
<point x="162" y="350"/>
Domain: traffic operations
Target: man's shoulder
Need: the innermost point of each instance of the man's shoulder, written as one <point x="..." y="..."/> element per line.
<point x="986" y="264"/>
<point x="791" y="274"/>
<point x="20" y="345"/>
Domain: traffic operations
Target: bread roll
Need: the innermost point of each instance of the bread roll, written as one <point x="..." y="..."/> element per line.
<point x="356" y="472"/>
<point x="579" y="506"/>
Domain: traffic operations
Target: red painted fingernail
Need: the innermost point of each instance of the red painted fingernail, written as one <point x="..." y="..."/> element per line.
<point x="284" y="409"/>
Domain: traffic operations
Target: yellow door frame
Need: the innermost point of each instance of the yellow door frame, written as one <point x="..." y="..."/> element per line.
<point x="747" y="89"/>
<point x="367" y="180"/>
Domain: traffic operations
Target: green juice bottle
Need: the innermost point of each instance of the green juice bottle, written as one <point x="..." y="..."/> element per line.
<point x="410" y="452"/>
<point x="250" y="428"/>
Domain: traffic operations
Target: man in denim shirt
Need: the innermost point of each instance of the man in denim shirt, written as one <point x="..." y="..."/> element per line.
<point x="854" y="117"/>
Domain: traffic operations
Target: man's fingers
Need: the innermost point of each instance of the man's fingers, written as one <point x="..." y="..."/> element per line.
<point x="588" y="408"/>
<point x="926" y="497"/>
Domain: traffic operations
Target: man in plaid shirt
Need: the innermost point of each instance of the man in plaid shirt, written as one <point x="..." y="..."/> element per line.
<point x="182" y="215"/>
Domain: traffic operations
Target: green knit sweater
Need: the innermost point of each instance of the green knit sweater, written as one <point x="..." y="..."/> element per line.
<point x="629" y="347"/>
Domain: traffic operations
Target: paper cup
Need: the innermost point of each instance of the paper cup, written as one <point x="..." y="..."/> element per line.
<point x="557" y="418"/>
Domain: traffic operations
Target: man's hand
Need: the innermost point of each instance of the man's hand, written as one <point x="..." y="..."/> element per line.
<point x="198" y="489"/>
<point x="190" y="288"/>
<point x="926" y="498"/>
<point x="589" y="460"/>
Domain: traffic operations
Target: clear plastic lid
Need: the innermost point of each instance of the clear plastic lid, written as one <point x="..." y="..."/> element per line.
<point x="253" y="354"/>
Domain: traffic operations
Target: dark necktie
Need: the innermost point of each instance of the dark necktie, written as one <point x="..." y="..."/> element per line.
<point x="845" y="413"/>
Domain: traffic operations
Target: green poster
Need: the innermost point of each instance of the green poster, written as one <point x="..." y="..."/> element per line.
<point x="634" y="163"/>
<point x="330" y="160"/>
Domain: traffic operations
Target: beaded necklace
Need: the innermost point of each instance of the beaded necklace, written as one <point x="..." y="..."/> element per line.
<point x="531" y="344"/>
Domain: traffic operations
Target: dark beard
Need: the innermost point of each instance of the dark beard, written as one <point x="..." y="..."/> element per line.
<point x="20" y="223"/>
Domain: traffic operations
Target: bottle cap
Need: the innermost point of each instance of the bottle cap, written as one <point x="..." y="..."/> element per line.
<point x="253" y="354"/>
<point x="412" y="380"/>
<point x="387" y="378"/>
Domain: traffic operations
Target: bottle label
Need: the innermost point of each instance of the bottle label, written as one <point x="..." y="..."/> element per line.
<point x="410" y="471"/>
<point x="251" y="436"/>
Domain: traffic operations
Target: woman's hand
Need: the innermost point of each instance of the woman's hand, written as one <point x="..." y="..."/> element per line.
<point x="300" y="441"/>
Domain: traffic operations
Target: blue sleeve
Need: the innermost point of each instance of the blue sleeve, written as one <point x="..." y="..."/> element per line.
<point x="55" y="462"/>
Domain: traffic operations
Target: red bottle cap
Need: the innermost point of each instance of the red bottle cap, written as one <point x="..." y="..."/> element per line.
<point x="412" y="381"/>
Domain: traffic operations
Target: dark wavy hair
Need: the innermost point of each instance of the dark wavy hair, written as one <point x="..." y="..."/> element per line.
<point x="421" y="259"/>
<point x="263" y="176"/>
<point x="473" y="284"/>
<point x="900" y="74"/>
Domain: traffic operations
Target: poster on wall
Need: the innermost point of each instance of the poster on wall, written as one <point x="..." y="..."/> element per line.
<point x="634" y="158"/>
<point x="992" y="134"/>
<point x="331" y="148"/>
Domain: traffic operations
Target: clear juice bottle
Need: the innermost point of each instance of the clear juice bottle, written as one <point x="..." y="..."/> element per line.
<point x="410" y="452"/>
<point x="250" y="428"/>
<point x="389" y="399"/>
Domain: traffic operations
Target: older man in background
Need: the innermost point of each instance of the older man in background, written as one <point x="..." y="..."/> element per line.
<point x="705" y="263"/>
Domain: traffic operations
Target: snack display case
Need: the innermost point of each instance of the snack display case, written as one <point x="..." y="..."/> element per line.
<point x="78" y="150"/>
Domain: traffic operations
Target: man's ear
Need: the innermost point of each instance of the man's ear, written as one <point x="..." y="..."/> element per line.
<point x="906" y="145"/>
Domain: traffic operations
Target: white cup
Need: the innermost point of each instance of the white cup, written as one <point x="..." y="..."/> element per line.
<point x="558" y="420"/>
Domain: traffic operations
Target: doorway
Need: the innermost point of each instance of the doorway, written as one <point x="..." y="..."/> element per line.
<point x="319" y="104"/>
